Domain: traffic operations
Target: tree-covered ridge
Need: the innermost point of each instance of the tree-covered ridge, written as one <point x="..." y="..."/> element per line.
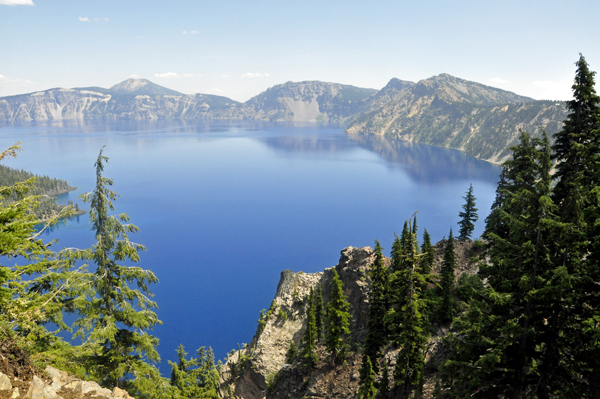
<point x="46" y="187"/>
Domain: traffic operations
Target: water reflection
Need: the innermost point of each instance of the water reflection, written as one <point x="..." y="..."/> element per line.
<point x="423" y="163"/>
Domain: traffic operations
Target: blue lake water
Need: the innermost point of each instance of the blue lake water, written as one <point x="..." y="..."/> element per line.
<point x="225" y="206"/>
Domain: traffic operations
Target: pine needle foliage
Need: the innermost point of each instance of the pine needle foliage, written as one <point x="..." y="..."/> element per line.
<point x="406" y="319"/>
<point x="367" y="379"/>
<point x="428" y="253"/>
<point x="468" y="216"/>
<point x="338" y="318"/>
<point x="36" y="288"/>
<point x="114" y="318"/>
<point x="503" y="344"/>
<point x="384" y="384"/>
<point x="196" y="377"/>
<point x="377" y="334"/>
<point x="319" y="312"/>
<point x="447" y="303"/>
<point x="308" y="352"/>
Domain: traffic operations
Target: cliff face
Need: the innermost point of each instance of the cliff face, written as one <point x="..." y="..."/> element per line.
<point x="450" y="112"/>
<point x="260" y="370"/>
<point x="62" y="104"/>
<point x="310" y="101"/>
<point x="444" y="111"/>
<point x="141" y="99"/>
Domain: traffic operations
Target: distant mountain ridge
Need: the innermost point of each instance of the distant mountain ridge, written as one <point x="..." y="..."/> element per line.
<point x="443" y="110"/>
<point x="451" y="112"/>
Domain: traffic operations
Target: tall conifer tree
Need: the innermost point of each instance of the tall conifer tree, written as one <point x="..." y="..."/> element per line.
<point x="504" y="335"/>
<point x="406" y="320"/>
<point x="376" y="336"/>
<point x="447" y="304"/>
<point x="428" y="254"/>
<point x="319" y="312"/>
<point x="309" y="351"/>
<point x="367" y="379"/>
<point x="115" y="318"/>
<point x="338" y="318"/>
<point x="468" y="216"/>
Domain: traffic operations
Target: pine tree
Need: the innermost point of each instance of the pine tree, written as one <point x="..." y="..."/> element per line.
<point x="337" y="318"/>
<point x="468" y="216"/>
<point x="38" y="286"/>
<point x="195" y="378"/>
<point x="376" y="336"/>
<point x="503" y="345"/>
<point x="309" y="351"/>
<point x="447" y="304"/>
<point x="407" y="321"/>
<point x="319" y="312"/>
<point x="115" y="318"/>
<point x="290" y="356"/>
<point x="428" y="254"/>
<point x="367" y="379"/>
<point x="384" y="384"/>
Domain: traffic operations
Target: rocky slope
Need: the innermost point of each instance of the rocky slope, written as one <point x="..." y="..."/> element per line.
<point x="443" y="110"/>
<point x="126" y="101"/>
<point x="260" y="370"/>
<point x="450" y="112"/>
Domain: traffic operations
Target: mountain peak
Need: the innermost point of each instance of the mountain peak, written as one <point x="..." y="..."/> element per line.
<point x="142" y="86"/>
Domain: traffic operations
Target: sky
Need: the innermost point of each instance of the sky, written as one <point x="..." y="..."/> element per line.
<point x="239" y="48"/>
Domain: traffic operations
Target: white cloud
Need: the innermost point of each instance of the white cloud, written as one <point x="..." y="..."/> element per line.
<point x="17" y="2"/>
<point x="134" y="76"/>
<point x="166" y="75"/>
<point x="499" y="81"/>
<point x="192" y="32"/>
<point x="188" y="75"/>
<point x="224" y="76"/>
<point x="255" y="75"/>
<point x="86" y="19"/>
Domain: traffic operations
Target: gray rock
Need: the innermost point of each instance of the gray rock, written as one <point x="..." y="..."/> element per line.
<point x="4" y="382"/>
<point x="39" y="390"/>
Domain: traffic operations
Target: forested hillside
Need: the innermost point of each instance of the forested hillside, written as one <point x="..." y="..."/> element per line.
<point x="45" y="187"/>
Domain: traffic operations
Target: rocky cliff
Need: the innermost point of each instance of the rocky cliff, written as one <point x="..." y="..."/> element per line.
<point x="443" y="110"/>
<point x="450" y="112"/>
<point x="260" y="370"/>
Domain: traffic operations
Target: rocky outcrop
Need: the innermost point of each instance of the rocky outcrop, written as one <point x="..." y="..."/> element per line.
<point x="446" y="111"/>
<point x="259" y="370"/>
<point x="56" y="384"/>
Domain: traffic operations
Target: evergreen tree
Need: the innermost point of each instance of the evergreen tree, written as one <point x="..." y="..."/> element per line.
<point x="367" y="379"/>
<point x="447" y="304"/>
<point x="337" y="318"/>
<point x="396" y="254"/>
<point x="290" y="356"/>
<point x="115" y="318"/>
<point x="503" y="344"/>
<point x="319" y="312"/>
<point x="195" y="378"/>
<point x="38" y="286"/>
<point x="428" y="254"/>
<point x="468" y="216"/>
<point x="309" y="351"/>
<point x="384" y="384"/>
<point x="376" y="336"/>
<point x="577" y="155"/>
<point x="407" y="323"/>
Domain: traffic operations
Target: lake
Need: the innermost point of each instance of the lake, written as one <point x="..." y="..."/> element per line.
<point x="225" y="206"/>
